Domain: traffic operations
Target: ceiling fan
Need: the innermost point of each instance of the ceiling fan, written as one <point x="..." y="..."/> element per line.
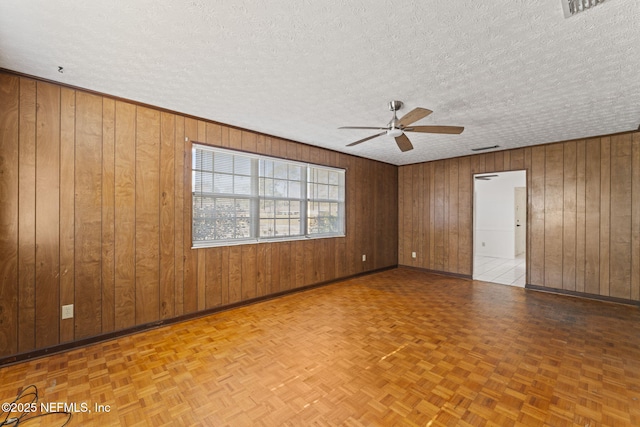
<point x="397" y="127"/>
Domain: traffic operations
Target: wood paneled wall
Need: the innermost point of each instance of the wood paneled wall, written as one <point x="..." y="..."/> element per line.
<point x="95" y="211"/>
<point x="583" y="228"/>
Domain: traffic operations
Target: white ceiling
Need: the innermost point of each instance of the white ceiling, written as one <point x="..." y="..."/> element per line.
<point x="512" y="72"/>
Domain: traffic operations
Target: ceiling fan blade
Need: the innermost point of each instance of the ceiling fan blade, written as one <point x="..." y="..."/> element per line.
<point x="435" y="129"/>
<point x="361" y="127"/>
<point x="366" y="139"/>
<point x="403" y="143"/>
<point x="414" y="115"/>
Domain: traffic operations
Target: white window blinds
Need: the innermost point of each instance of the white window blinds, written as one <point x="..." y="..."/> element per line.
<point x="240" y="197"/>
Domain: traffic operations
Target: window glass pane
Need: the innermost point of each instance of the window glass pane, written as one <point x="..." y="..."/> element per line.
<point x="334" y="192"/>
<point x="223" y="162"/>
<point x="223" y="183"/>
<point x="282" y="208"/>
<point x="243" y="220"/>
<point x="294" y="189"/>
<point x="224" y="207"/>
<point x="267" y="227"/>
<point x="266" y="168"/>
<point x="242" y="185"/>
<point x="295" y="172"/>
<point x="280" y="188"/>
<point x="266" y="208"/>
<point x="268" y="187"/>
<point x="294" y="208"/>
<point x="323" y="191"/>
<point x="280" y="170"/>
<point x="333" y="178"/>
<point x="203" y="160"/>
<point x="282" y="227"/>
<point x="294" y="226"/>
<point x="242" y="165"/>
<point x="323" y="176"/>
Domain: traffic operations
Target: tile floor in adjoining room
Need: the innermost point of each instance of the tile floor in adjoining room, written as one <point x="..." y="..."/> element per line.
<point x="500" y="270"/>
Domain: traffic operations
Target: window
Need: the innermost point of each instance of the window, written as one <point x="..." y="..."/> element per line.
<point x="240" y="198"/>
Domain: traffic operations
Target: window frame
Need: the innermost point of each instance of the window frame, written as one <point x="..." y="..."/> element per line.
<point x="257" y="197"/>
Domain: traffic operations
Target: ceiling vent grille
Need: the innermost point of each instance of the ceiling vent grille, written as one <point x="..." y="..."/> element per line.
<point x="571" y="7"/>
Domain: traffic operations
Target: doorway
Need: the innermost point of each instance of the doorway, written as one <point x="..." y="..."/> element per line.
<point x="500" y="227"/>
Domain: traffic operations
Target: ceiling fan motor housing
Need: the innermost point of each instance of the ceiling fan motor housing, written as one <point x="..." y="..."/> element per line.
<point x="395" y="105"/>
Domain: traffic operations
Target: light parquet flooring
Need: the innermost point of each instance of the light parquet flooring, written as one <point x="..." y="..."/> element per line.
<point x="400" y="347"/>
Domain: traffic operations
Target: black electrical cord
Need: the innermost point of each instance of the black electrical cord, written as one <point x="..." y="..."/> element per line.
<point x="21" y="409"/>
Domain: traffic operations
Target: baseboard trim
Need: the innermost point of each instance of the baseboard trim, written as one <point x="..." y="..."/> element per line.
<point x="583" y="295"/>
<point x="438" y="272"/>
<point x="59" y="348"/>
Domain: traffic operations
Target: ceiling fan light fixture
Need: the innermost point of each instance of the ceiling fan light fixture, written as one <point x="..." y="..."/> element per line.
<point x="394" y="132"/>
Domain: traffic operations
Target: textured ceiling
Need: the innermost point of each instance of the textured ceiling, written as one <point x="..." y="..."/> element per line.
<point x="512" y="72"/>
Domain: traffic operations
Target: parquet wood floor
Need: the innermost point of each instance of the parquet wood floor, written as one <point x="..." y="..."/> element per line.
<point x="400" y="347"/>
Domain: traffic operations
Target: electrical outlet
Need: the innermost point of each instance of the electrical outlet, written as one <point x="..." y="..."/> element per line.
<point x="413" y="255"/>
<point x="67" y="311"/>
<point x="364" y="257"/>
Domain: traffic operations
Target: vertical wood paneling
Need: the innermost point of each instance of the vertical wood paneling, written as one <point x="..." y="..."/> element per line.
<point x="108" y="215"/>
<point x="285" y="273"/>
<point x="224" y="275"/>
<point x="248" y="279"/>
<point x="9" y="186"/>
<point x="408" y="215"/>
<point x="88" y="215"/>
<point x="423" y="248"/>
<point x="581" y="209"/>
<point x="67" y="203"/>
<point x="249" y="141"/>
<point x="454" y="208"/>
<point x="167" y="211"/>
<point x="263" y="270"/>
<point x="27" y="222"/>
<point x="528" y="164"/>
<point x="201" y="278"/>
<point x="298" y="260"/>
<point x="592" y="217"/>
<point x="213" y="134"/>
<point x="235" y="273"/>
<point x="125" y="215"/>
<point x="417" y="210"/>
<point x="401" y="210"/>
<point x="635" y="217"/>
<point x="605" y="213"/>
<point x="583" y="217"/>
<point x="517" y="159"/>
<point x="432" y="216"/>
<point x="537" y="219"/>
<point x="353" y="251"/>
<point x="569" y="211"/>
<point x="103" y="191"/>
<point x="620" y="230"/>
<point x="178" y="215"/>
<point x="445" y="227"/>
<point x="189" y="299"/>
<point x="553" y="206"/>
<point x="465" y="217"/>
<point x="235" y="139"/>
<point x="48" y="215"/>
<point x="147" y="218"/>
<point x="213" y="292"/>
